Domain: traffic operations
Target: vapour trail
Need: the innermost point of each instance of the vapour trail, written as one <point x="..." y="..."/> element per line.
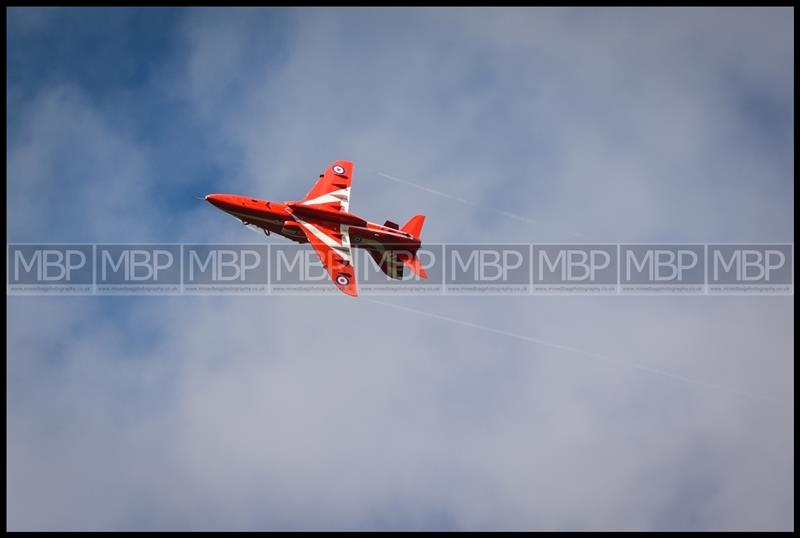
<point x="648" y="369"/>
<point x="481" y="205"/>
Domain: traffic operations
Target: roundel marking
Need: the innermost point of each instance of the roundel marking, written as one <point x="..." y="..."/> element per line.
<point x="342" y="280"/>
<point x="338" y="169"/>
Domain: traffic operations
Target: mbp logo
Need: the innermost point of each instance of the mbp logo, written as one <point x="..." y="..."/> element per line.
<point x="674" y="268"/>
<point x="146" y="268"/>
<point x="134" y="265"/>
<point x="378" y="267"/>
<point x="575" y="268"/>
<point x="227" y="268"/>
<point x="66" y="268"/>
<point x="297" y="269"/>
<point x="488" y="268"/>
<point x="748" y="268"/>
<point x="297" y="265"/>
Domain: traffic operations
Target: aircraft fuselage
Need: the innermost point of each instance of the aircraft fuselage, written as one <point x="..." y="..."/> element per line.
<point x="279" y="218"/>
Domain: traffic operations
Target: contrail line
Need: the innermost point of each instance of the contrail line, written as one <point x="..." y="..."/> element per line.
<point x="648" y="369"/>
<point x="481" y="205"/>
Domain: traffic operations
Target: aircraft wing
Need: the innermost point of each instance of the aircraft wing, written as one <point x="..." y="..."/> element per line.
<point x="332" y="244"/>
<point x="332" y="189"/>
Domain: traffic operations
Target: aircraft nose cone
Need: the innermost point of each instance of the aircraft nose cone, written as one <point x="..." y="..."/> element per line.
<point x="215" y="199"/>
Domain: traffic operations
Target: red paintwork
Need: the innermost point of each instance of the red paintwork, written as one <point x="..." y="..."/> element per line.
<point x="257" y="212"/>
<point x="313" y="213"/>
<point x="294" y="219"/>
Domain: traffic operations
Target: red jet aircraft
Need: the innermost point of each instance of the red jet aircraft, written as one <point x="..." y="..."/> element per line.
<point x="322" y="219"/>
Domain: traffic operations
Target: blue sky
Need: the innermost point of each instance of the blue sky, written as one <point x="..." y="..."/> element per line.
<point x="649" y="125"/>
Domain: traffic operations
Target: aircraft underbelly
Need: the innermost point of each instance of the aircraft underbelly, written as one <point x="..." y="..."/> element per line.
<point x="362" y="237"/>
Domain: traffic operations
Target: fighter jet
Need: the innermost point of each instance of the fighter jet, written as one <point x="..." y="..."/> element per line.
<point x="323" y="219"/>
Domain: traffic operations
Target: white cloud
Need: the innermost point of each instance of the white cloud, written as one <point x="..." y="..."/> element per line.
<point x="253" y="413"/>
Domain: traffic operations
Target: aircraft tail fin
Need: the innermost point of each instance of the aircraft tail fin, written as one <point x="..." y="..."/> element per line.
<point x="414" y="225"/>
<point x="415" y="265"/>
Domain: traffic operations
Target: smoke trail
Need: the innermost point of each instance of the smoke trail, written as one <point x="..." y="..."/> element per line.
<point x="481" y="205"/>
<point x="606" y="358"/>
